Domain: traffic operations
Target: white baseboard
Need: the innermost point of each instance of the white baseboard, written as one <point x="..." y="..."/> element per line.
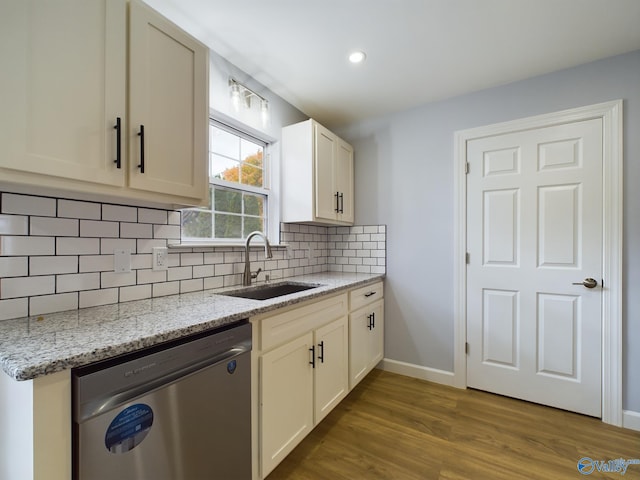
<point x="417" y="371"/>
<point x="631" y="419"/>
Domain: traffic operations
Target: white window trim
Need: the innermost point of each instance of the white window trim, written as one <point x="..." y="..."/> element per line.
<point x="271" y="189"/>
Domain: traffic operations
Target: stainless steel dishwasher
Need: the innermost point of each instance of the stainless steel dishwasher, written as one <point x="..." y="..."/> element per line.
<point x="176" y="411"/>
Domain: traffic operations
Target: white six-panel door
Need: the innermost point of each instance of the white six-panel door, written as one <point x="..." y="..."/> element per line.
<point x="534" y="230"/>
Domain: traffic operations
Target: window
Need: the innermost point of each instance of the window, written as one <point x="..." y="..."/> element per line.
<point x="238" y="193"/>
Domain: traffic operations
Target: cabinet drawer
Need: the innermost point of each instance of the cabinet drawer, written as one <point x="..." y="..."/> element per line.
<point x="279" y="328"/>
<point x="365" y="295"/>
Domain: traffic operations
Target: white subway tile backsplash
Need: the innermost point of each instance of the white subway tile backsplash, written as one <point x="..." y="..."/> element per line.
<point x="53" y="265"/>
<point x="14" y="308"/>
<point x="57" y="254"/>
<point x="96" y="263"/>
<point x="179" y="273"/>
<point x="53" y="303"/>
<point x="146" y="245"/>
<point x="166" y="231"/>
<point x="53" y="227"/>
<point x="191" y="259"/>
<point x="75" y="209"/>
<point x="151" y="276"/>
<point x="191" y="285"/>
<point x="147" y="215"/>
<point x="28" y="205"/>
<point x="14" y="225"/>
<point x="94" y="298"/>
<point x="13" y="267"/>
<point x="213" y="282"/>
<point x="117" y="279"/>
<point x="26" y="286"/>
<point x="95" y="228"/>
<point x="136" y="230"/>
<point x="77" y="246"/>
<point x="108" y="245"/>
<point x="203" y="271"/>
<point x="119" y="213"/>
<point x="140" y="261"/>
<point x="137" y="292"/>
<point x="77" y="282"/>
<point x="174" y="218"/>
<point x="12" y="246"/>
<point x="167" y="288"/>
<point x="223" y="269"/>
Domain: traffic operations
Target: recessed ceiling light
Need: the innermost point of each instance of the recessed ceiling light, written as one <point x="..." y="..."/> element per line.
<point x="357" y="57"/>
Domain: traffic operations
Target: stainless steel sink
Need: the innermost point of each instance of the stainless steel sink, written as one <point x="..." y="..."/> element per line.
<point x="272" y="290"/>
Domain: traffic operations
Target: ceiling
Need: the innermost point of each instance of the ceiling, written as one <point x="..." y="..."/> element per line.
<point x="418" y="51"/>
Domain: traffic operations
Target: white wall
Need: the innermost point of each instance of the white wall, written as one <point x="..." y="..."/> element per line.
<point x="404" y="178"/>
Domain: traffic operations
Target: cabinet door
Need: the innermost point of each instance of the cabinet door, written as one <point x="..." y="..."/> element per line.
<point x="62" y="87"/>
<point x="168" y="86"/>
<point x="366" y="341"/>
<point x="332" y="366"/>
<point x="286" y="400"/>
<point x="325" y="188"/>
<point x="344" y="180"/>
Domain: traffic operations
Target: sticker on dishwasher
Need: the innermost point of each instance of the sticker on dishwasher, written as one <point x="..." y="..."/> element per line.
<point x="129" y="428"/>
<point x="231" y="366"/>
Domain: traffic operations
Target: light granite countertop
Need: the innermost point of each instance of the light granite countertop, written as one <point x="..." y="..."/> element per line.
<point x="31" y="347"/>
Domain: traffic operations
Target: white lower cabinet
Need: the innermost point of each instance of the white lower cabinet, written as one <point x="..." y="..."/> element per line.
<point x="366" y="331"/>
<point x="304" y="378"/>
<point x="306" y="359"/>
<point x="286" y="400"/>
<point x="366" y="341"/>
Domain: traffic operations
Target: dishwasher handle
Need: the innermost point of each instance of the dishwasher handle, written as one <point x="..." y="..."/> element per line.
<point x="100" y="405"/>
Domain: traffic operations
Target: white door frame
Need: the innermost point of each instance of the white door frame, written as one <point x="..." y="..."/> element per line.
<point x="611" y="115"/>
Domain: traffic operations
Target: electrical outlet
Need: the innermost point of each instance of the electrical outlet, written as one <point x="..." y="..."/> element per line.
<point x="160" y="258"/>
<point x="121" y="260"/>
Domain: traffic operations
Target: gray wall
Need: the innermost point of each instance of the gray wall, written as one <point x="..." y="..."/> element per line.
<point x="404" y="175"/>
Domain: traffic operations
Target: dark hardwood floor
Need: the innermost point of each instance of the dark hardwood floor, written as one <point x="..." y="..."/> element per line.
<point x="396" y="427"/>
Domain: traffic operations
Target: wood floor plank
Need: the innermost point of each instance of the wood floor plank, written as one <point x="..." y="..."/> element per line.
<point x="393" y="427"/>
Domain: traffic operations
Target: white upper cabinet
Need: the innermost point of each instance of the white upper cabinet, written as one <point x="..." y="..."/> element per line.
<point x="317" y="175"/>
<point x="168" y="97"/>
<point x="66" y="122"/>
<point x="63" y="87"/>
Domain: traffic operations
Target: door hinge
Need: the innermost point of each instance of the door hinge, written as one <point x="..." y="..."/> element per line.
<point x="466" y="348"/>
<point x="466" y="168"/>
<point x="467" y="258"/>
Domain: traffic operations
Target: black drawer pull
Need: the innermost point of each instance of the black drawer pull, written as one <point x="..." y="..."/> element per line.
<point x="141" y="135"/>
<point x="313" y="356"/>
<point x="118" y="129"/>
<point x="369" y="294"/>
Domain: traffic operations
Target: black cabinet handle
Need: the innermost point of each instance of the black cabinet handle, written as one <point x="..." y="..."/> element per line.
<point x="370" y="324"/>
<point x="141" y="135"/>
<point x="313" y="356"/>
<point x="337" y="195"/>
<point x="118" y="129"/>
<point x="369" y="294"/>
<point x="373" y="320"/>
<point x="341" y="203"/>
<point x="321" y="354"/>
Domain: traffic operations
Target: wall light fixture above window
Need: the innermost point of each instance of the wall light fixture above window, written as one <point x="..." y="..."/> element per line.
<point x="241" y="96"/>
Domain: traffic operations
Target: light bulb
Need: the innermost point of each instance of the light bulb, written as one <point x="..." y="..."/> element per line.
<point x="357" y="57"/>
<point x="235" y="96"/>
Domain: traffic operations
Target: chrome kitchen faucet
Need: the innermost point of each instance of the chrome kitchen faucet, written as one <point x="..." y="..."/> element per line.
<point x="246" y="279"/>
